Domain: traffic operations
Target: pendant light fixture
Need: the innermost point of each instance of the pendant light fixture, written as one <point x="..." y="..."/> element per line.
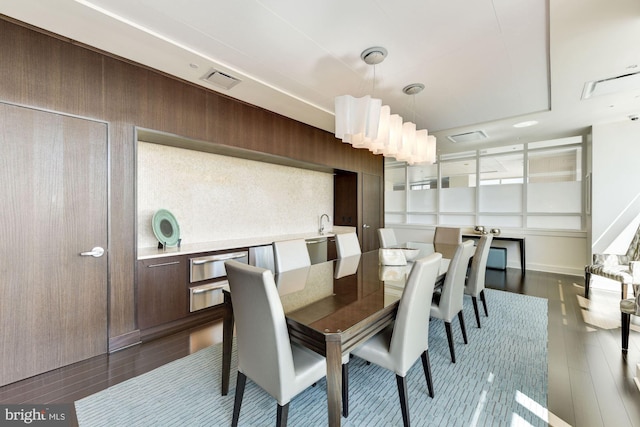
<point x="366" y="123"/>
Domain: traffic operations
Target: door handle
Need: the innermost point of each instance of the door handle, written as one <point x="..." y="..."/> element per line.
<point x="96" y="252"/>
<point x="366" y="226"/>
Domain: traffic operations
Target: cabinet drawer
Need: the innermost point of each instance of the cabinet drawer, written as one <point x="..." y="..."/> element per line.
<point x="206" y="295"/>
<point x="212" y="266"/>
<point x="161" y="294"/>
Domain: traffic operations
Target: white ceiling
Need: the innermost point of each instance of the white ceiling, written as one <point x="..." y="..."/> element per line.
<point x="486" y="64"/>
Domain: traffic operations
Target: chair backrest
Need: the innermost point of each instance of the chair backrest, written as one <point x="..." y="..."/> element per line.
<point x="411" y="329"/>
<point x="475" y="281"/>
<point x="448" y="235"/>
<point x="347" y="244"/>
<point x="387" y="237"/>
<point x="634" y="248"/>
<point x="290" y="254"/>
<point x="453" y="287"/>
<point x="264" y="348"/>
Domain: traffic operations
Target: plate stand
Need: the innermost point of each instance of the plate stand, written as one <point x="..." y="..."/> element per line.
<point x="164" y="245"/>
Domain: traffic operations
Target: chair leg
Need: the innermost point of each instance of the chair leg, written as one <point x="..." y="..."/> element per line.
<point x="587" y="283"/>
<point x="240" y="383"/>
<point x="464" y="330"/>
<point x="626" y="321"/>
<point x="475" y="310"/>
<point x="447" y="326"/>
<point x="402" y="392"/>
<point x="282" y="415"/>
<point x="345" y="389"/>
<point x="484" y="302"/>
<point x="426" y="365"/>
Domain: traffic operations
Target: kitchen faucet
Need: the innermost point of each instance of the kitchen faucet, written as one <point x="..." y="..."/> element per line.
<point x="321" y="226"/>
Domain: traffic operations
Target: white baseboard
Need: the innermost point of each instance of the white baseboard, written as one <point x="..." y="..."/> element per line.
<point x="571" y="271"/>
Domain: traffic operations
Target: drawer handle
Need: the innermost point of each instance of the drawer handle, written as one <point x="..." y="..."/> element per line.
<point x="211" y="287"/>
<point x="199" y="291"/>
<point x="163" y="264"/>
<point x="220" y="258"/>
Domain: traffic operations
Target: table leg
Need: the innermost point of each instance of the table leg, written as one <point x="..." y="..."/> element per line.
<point x="522" y="257"/>
<point x="334" y="378"/>
<point x="227" y="343"/>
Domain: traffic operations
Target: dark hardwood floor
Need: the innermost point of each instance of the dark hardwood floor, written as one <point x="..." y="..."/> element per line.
<point x="590" y="381"/>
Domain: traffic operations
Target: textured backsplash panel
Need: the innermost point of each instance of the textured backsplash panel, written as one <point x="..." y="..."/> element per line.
<point x="216" y="197"/>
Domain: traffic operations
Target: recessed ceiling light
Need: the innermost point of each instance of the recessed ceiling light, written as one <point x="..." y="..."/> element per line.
<point x="525" y="124"/>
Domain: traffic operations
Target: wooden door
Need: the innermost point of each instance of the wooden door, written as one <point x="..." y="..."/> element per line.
<point x="371" y="211"/>
<point x="53" y="186"/>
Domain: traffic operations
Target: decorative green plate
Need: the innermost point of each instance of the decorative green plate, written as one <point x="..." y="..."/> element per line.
<point x="166" y="228"/>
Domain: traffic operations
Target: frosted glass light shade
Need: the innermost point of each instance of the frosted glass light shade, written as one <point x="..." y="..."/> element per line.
<point x="383" y="131"/>
<point x="408" y="142"/>
<point x="431" y="149"/>
<point x="421" y="147"/>
<point x="357" y="119"/>
<point x="366" y="123"/>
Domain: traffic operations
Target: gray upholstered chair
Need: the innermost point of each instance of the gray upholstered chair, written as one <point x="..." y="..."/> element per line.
<point x="613" y="266"/>
<point x="387" y="237"/>
<point x="290" y="254"/>
<point x="450" y="301"/>
<point x="265" y="352"/>
<point x="347" y="244"/>
<point x="474" y="285"/>
<point x="446" y="240"/>
<point x="399" y="346"/>
<point x="447" y="235"/>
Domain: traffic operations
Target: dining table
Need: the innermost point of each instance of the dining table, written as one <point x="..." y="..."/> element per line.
<point x="331" y="307"/>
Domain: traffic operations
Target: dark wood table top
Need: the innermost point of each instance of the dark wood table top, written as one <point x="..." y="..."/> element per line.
<point x="335" y="296"/>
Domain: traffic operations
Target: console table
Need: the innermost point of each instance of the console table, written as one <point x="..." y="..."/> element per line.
<point x="519" y="240"/>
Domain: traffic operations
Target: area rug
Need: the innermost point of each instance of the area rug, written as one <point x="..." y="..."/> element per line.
<point x="499" y="378"/>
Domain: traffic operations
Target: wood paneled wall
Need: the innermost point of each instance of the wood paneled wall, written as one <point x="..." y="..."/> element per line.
<point x="46" y="71"/>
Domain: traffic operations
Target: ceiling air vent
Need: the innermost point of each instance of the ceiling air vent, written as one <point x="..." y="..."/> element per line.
<point x="625" y="82"/>
<point x="476" y="135"/>
<point x="220" y="79"/>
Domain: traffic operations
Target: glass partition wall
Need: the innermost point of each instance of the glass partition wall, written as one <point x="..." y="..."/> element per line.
<point x="535" y="186"/>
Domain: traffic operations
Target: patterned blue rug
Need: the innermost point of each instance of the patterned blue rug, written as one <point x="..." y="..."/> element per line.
<point x="499" y="378"/>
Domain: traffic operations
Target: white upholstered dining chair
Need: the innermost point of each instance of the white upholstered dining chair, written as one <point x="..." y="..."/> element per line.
<point x="290" y="254"/>
<point x="474" y="285"/>
<point x="347" y="244"/>
<point x="399" y="346"/>
<point x="451" y="298"/>
<point x="387" y="237"/>
<point x="265" y="352"/>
